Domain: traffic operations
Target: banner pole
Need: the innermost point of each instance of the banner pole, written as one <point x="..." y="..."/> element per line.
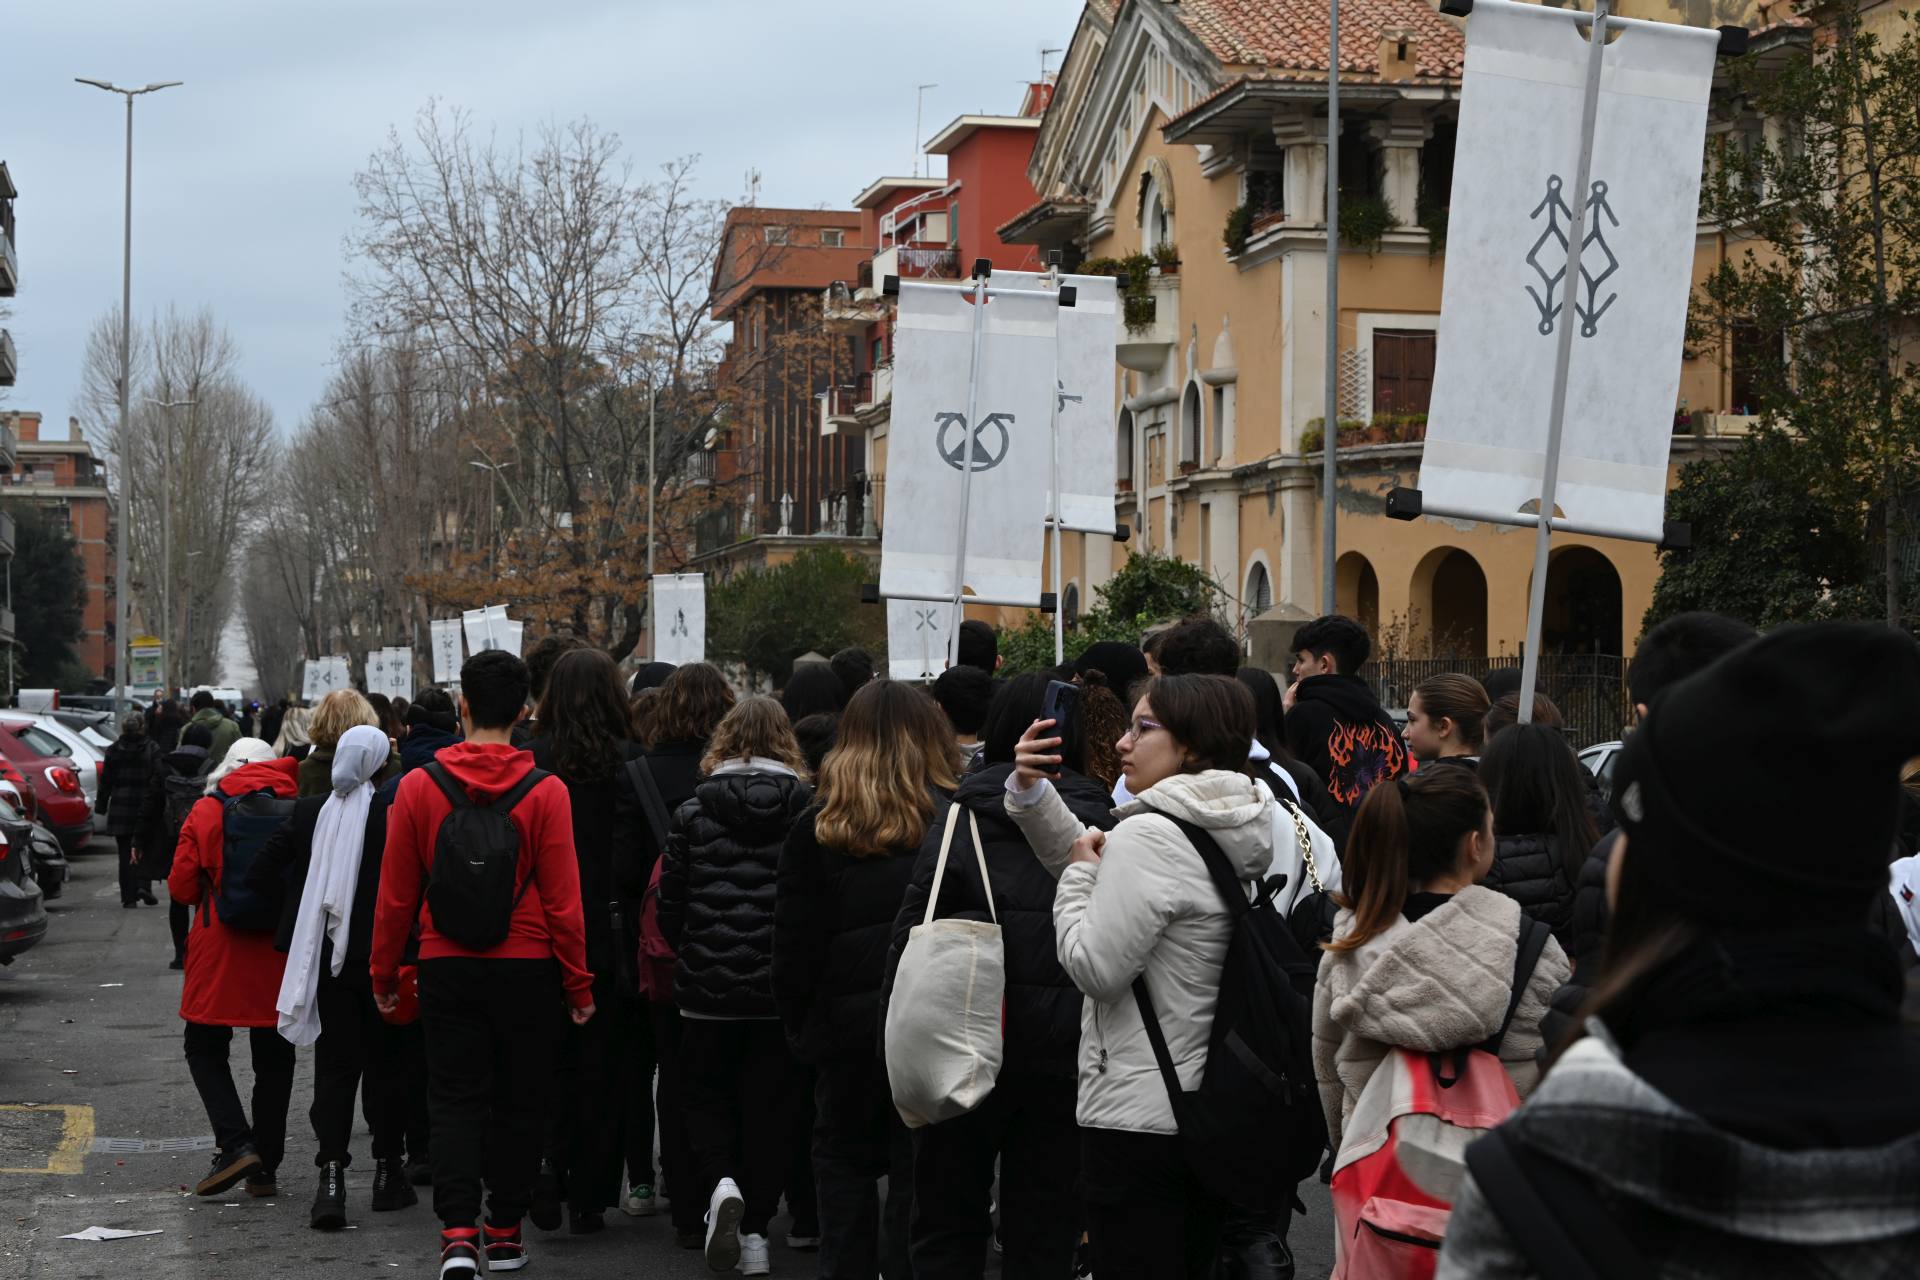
<point x="1563" y="352"/>
<point x="1053" y="434"/>
<point x="981" y="269"/>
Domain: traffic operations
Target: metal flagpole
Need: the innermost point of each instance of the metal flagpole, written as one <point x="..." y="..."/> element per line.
<point x="1053" y="433"/>
<point x="981" y="270"/>
<point x="1563" y="351"/>
<point x="1330" y="432"/>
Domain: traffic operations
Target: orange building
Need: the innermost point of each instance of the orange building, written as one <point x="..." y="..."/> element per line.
<point x="68" y="479"/>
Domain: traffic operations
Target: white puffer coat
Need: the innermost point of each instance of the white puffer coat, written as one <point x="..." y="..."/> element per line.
<point x="1148" y="907"/>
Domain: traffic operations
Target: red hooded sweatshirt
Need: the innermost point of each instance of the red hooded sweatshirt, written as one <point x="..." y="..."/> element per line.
<point x="233" y="975"/>
<point x="546" y="924"/>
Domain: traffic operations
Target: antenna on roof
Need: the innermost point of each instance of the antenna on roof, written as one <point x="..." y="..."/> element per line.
<point x="753" y="188"/>
<point x="1044" y="55"/>
<point x="919" y="99"/>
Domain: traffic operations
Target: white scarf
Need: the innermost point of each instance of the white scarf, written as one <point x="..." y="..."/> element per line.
<point x="326" y="904"/>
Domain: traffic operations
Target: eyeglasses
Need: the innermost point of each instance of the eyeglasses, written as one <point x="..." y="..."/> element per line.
<point x="1140" y="728"/>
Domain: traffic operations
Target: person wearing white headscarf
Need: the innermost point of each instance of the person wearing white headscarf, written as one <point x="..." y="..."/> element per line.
<point x="244" y="751"/>
<point x="329" y="855"/>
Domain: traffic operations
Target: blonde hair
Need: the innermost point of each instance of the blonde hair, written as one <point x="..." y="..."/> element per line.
<point x="293" y="731"/>
<point x="894" y="746"/>
<point x="336" y="713"/>
<point x="756" y="726"/>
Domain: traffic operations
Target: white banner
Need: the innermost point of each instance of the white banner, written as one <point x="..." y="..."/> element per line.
<point x="506" y="633"/>
<point x="918" y="632"/>
<point x="321" y="676"/>
<point x="1519" y="140"/>
<point x="1084" y="391"/>
<point x="489" y="628"/>
<point x="679" y="617"/>
<point x="390" y="672"/>
<point x="447" y="654"/>
<point x="1009" y="450"/>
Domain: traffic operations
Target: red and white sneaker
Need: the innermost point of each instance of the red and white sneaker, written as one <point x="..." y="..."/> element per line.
<point x="506" y="1251"/>
<point x="459" y="1253"/>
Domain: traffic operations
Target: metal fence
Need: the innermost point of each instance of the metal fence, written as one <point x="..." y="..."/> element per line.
<point x="1589" y="689"/>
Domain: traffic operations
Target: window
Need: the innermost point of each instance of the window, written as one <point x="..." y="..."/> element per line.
<point x="1070" y="605"/>
<point x="833" y="238"/>
<point x="1402" y="370"/>
<point x="41" y="742"/>
<point x="1217" y="442"/>
<point x="774" y="235"/>
<point x="1266" y="190"/>
<point x="1259" y="590"/>
<point x="1123" y="457"/>
<point x="1756" y="352"/>
<point x="1190" y="425"/>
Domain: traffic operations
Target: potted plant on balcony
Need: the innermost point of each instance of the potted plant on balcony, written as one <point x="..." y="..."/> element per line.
<point x="1239" y="229"/>
<point x="1167" y="258"/>
<point x="1134" y="273"/>
<point x="1364" y="221"/>
<point x="1313" y="438"/>
<point x="1379" y="429"/>
<point x="1188" y="466"/>
<point x="1123" y="485"/>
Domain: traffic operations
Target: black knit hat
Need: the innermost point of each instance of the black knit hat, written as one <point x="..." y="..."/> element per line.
<point x="1765" y="789"/>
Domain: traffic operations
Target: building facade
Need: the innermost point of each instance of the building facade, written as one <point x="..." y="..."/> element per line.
<point x="68" y="479"/>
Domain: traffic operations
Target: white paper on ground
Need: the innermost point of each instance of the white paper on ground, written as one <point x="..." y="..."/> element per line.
<point x="1519" y="141"/>
<point x="679" y="617"/>
<point x="918" y="632"/>
<point x="1009" y="449"/>
<point x="94" y="1235"/>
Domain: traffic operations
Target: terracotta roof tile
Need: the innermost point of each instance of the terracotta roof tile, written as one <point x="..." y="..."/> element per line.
<point x="1291" y="35"/>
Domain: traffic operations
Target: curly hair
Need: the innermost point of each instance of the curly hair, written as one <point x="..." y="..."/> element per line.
<point x="692" y="702"/>
<point x="584" y="712"/>
<point x="336" y="713"/>
<point x="756" y="726"/>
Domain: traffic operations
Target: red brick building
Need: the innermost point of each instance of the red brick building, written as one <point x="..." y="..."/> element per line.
<point x="69" y="480"/>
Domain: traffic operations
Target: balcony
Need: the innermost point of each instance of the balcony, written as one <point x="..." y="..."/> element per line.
<point x="918" y="262"/>
<point x="9" y="265"/>
<point x="9" y="450"/>
<point x="6" y="536"/>
<point x="838" y="406"/>
<point x="851" y="311"/>
<point x="875" y="387"/>
<point x="1146" y="348"/>
<point x="9" y="359"/>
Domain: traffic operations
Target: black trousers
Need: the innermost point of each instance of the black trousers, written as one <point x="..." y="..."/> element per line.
<point x="736" y="1086"/>
<point x="635" y="1079"/>
<point x="587" y="1130"/>
<point x="207" y="1048"/>
<point x="493" y="1030"/>
<point x="412" y="1042"/>
<point x="858" y="1138"/>
<point x="357" y="1051"/>
<point x="1147" y="1215"/>
<point x="1026" y="1123"/>
<point x="132" y="883"/>
<point x="803" y="1198"/>
<point x="179" y="919"/>
<point x="687" y="1205"/>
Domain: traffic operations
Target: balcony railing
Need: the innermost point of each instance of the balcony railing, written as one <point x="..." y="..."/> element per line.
<point x="9" y="359"/>
<point x="837" y="406"/>
<point x="922" y="263"/>
<point x="9" y="266"/>
<point x="6" y="535"/>
<point x="9" y="453"/>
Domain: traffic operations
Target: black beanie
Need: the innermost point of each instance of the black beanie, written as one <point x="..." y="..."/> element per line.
<point x="1766" y="788"/>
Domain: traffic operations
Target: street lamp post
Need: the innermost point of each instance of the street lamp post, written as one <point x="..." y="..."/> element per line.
<point x="123" y="571"/>
<point x="653" y="409"/>
<point x="166" y="541"/>
<point x="493" y="488"/>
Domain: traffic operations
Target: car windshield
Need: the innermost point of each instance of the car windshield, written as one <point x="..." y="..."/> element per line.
<point x="39" y="741"/>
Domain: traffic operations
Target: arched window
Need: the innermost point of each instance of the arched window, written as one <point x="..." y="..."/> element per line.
<point x="1156" y="217"/>
<point x="1123" y="447"/>
<point x="1190" y="424"/>
<point x="1070" y="605"/>
<point x="1259" y="597"/>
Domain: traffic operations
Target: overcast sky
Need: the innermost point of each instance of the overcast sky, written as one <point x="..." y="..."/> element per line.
<point x="243" y="176"/>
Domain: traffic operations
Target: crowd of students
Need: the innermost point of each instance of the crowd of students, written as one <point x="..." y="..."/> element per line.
<point x="690" y="910"/>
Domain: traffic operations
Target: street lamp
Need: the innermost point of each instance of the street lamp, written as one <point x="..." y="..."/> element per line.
<point x="166" y="535"/>
<point x="494" y="487"/>
<point x="124" y="571"/>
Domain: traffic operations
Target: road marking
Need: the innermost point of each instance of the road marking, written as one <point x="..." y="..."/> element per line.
<point x="76" y="1137"/>
<point x="151" y="1146"/>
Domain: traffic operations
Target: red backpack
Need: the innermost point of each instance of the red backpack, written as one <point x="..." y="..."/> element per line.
<point x="656" y="958"/>
<point x="1403" y="1152"/>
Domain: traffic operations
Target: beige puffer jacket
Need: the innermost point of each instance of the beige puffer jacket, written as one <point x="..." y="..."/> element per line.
<point x="1148" y="907"/>
<point x="1440" y="982"/>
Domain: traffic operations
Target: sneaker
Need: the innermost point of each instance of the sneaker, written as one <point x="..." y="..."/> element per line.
<point x="459" y="1253"/>
<point x="640" y="1202"/>
<point x="228" y="1168"/>
<point x="178" y="962"/>
<point x="420" y="1172"/>
<point x="262" y="1185"/>
<point x="545" y="1207"/>
<point x="723" y="1226"/>
<point x="391" y="1189"/>
<point x="754" y="1260"/>
<point x="804" y="1236"/>
<point x="506" y="1251"/>
<point x="330" y="1199"/>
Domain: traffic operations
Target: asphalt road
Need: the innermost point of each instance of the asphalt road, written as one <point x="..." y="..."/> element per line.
<point x="100" y="1126"/>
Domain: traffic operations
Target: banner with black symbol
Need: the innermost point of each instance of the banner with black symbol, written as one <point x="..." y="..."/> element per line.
<point x="917" y="635"/>
<point x="1008" y="450"/>
<point x="321" y="676"/>
<point x="1512" y="202"/>
<point x="679" y="617"/>
<point x="447" y="653"/>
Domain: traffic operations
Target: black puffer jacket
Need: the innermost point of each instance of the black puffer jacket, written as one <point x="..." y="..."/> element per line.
<point x="1043" y="1006"/>
<point x="1585" y="942"/>
<point x="1530" y="870"/>
<point x="832" y="924"/>
<point x="717" y="889"/>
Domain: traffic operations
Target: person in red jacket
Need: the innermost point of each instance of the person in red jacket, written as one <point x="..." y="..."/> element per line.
<point x="233" y="979"/>
<point x="492" y="1018"/>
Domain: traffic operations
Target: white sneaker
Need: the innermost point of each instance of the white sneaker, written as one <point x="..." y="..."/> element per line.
<point x="641" y="1202"/>
<point x="723" y="1226"/>
<point x="753" y="1256"/>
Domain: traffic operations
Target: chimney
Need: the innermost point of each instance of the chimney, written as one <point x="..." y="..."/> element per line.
<point x="1399" y="52"/>
<point x="73" y="430"/>
<point x="26" y="426"/>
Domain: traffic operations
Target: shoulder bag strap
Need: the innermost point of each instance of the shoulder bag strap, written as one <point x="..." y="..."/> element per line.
<point x="1158" y="1039"/>
<point x="1533" y="941"/>
<point x="980" y="856"/>
<point x="652" y="803"/>
<point x="1552" y="1216"/>
<point x="940" y="867"/>
<point x="455" y="793"/>
<point x="1305" y="837"/>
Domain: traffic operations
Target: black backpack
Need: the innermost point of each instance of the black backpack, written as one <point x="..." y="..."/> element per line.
<point x="250" y="821"/>
<point x="1254" y="1128"/>
<point x="475" y="885"/>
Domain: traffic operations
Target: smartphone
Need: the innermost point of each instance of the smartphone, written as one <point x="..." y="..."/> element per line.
<point x="1061" y="705"/>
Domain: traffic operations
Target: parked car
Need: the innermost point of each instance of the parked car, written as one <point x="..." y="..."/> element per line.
<point x="1600" y="759"/>
<point x="46" y="860"/>
<point x="42" y="761"/>
<point x="23" y="910"/>
<point x="88" y="759"/>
